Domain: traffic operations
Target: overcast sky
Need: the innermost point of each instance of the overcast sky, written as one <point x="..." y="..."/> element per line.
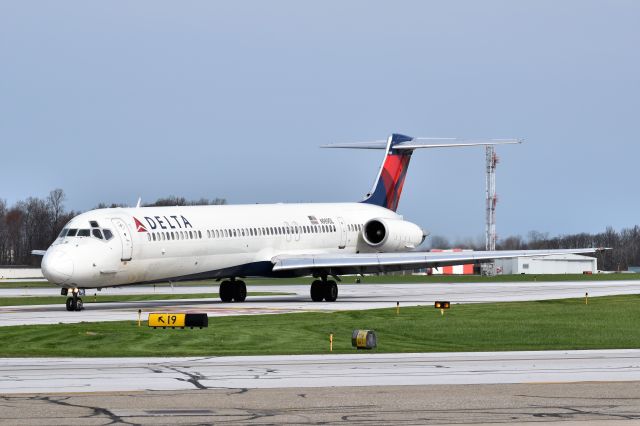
<point x="115" y="100"/>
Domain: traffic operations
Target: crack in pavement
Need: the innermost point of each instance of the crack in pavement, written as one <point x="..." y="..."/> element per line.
<point x="62" y="401"/>
<point x="193" y="378"/>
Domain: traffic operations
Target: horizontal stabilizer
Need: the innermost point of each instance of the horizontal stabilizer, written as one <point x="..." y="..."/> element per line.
<point x="38" y="252"/>
<point x="418" y="143"/>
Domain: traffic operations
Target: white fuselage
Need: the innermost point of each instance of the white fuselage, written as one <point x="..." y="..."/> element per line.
<point x="151" y="244"/>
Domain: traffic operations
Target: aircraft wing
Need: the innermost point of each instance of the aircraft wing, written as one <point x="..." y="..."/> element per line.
<point x="360" y="263"/>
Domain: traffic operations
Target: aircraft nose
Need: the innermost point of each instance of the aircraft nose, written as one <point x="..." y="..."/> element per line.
<point x="57" y="266"/>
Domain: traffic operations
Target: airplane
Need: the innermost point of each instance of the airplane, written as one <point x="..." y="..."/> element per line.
<point x="114" y="247"/>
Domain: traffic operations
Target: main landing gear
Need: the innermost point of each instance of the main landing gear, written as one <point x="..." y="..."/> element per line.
<point x="324" y="290"/>
<point x="74" y="303"/>
<point x="233" y="291"/>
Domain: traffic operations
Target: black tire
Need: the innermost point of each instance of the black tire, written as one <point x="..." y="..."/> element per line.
<point x="79" y="305"/>
<point x="226" y="292"/>
<point x="69" y="304"/>
<point x="331" y="291"/>
<point x="239" y="291"/>
<point x="317" y="293"/>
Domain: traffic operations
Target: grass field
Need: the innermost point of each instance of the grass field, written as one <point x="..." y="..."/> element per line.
<point x="606" y="322"/>
<point x="89" y="298"/>
<point x="384" y="279"/>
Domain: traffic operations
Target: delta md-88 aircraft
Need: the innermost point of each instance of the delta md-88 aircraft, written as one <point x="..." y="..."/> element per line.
<point x="145" y="245"/>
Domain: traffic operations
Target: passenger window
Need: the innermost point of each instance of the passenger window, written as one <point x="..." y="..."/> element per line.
<point x="153" y="237"/>
<point x="107" y="234"/>
<point x="149" y="237"/>
<point x="199" y="234"/>
<point x="84" y="233"/>
<point x="96" y="233"/>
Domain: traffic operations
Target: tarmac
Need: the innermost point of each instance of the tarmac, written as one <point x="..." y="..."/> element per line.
<point x="585" y="387"/>
<point x="352" y="297"/>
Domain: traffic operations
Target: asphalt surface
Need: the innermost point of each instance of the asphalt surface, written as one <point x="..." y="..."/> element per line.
<point x="584" y="404"/>
<point x="589" y="387"/>
<point x="34" y="375"/>
<point x="352" y="297"/>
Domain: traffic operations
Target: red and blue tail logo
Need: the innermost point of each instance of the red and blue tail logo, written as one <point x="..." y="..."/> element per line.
<point x="388" y="187"/>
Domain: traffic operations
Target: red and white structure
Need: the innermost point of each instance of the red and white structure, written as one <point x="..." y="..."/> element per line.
<point x="451" y="270"/>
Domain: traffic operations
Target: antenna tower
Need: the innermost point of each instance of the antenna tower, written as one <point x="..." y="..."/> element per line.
<point x="492" y="199"/>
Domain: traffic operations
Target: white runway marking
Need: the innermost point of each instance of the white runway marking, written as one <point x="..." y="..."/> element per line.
<point x="45" y="375"/>
<point x="352" y="297"/>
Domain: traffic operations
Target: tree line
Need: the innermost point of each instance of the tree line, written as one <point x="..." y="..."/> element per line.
<point x="625" y="245"/>
<point x="34" y="223"/>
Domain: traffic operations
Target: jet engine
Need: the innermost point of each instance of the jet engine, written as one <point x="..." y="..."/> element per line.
<point x="392" y="235"/>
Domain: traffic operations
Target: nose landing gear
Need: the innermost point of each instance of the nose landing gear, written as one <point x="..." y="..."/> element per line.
<point x="74" y="302"/>
<point x="233" y="290"/>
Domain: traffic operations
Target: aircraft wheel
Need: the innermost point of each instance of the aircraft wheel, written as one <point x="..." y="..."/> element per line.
<point x="79" y="305"/>
<point x="69" y="304"/>
<point x="317" y="293"/>
<point x="239" y="291"/>
<point x="226" y="291"/>
<point x="331" y="291"/>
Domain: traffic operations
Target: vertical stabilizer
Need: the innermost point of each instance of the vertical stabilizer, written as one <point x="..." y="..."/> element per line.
<point x="387" y="188"/>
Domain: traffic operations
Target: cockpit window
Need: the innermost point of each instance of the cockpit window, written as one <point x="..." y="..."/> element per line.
<point x="107" y="234"/>
<point x="96" y="233"/>
<point x="72" y="232"/>
<point x="84" y="233"/>
<point x="63" y="233"/>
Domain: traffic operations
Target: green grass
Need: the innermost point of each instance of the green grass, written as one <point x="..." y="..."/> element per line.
<point x="606" y="322"/>
<point x="89" y="298"/>
<point x="382" y="279"/>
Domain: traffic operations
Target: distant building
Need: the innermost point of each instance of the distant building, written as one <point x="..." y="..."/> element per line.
<point x="451" y="270"/>
<point x="554" y="264"/>
<point x="19" y="272"/>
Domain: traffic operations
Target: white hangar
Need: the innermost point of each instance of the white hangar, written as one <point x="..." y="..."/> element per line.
<point x="554" y="264"/>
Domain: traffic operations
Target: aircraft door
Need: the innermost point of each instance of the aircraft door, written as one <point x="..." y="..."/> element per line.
<point x="125" y="238"/>
<point x="343" y="233"/>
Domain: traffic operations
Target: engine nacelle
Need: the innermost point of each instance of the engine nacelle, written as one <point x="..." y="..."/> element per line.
<point x="392" y="235"/>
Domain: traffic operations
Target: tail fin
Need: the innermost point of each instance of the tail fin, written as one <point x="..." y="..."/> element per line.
<point x="387" y="188"/>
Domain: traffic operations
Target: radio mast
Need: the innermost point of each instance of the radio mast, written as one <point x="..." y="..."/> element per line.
<point x="491" y="200"/>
